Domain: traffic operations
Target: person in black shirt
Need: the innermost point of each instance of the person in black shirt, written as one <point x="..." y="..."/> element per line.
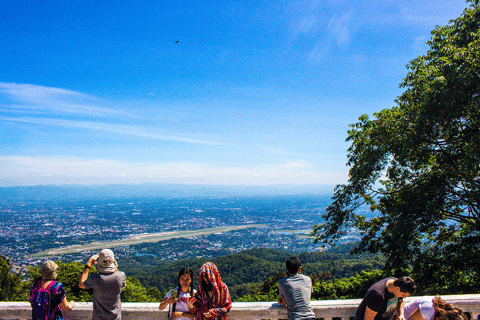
<point x="383" y="294"/>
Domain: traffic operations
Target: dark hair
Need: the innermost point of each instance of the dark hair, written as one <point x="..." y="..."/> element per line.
<point x="182" y="272"/>
<point x="406" y="284"/>
<point x="293" y="264"/>
<point x="446" y="311"/>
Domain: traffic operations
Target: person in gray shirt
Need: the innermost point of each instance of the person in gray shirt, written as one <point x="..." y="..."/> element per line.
<point x="106" y="285"/>
<point x="295" y="291"/>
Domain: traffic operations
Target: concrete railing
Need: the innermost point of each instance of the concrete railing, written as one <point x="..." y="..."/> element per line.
<point x="326" y="309"/>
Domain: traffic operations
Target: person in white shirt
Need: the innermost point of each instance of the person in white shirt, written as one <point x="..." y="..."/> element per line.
<point x="179" y="297"/>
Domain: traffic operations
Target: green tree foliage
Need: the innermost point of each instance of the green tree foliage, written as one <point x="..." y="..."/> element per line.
<point x="329" y="288"/>
<point x="12" y="288"/>
<point x="136" y="292"/>
<point x="268" y="291"/>
<point x="155" y="294"/>
<point x="418" y="165"/>
<point x="69" y="275"/>
<point x="248" y="269"/>
<point x="325" y="286"/>
<point x="244" y="273"/>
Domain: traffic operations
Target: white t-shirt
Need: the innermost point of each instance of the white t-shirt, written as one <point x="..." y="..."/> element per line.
<point x="182" y="301"/>
<point x="424" y="304"/>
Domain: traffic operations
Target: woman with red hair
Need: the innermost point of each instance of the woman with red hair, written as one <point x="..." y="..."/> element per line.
<point x="212" y="300"/>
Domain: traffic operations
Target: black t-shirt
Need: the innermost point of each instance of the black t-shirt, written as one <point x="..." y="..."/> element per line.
<point x="376" y="299"/>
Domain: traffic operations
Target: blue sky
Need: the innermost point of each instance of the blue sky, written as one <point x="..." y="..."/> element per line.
<point x="253" y="93"/>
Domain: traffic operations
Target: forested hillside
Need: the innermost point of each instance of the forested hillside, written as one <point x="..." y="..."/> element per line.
<point x="251" y="273"/>
<point x="245" y="270"/>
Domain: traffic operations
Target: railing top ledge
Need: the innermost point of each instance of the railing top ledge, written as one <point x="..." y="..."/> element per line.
<point x="327" y="309"/>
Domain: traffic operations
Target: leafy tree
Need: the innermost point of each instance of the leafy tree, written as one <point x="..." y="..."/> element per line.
<point x="326" y="287"/>
<point x="246" y="270"/>
<point x="69" y="275"/>
<point x="12" y="288"/>
<point x="418" y="165"/>
<point x="155" y="294"/>
<point x="136" y="292"/>
<point x="268" y="291"/>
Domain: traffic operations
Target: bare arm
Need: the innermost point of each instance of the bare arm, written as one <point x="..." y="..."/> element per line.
<point x="281" y="301"/>
<point x="64" y="305"/>
<point x="166" y="302"/>
<point x="401" y="309"/>
<point x="370" y="314"/>
<point x="85" y="272"/>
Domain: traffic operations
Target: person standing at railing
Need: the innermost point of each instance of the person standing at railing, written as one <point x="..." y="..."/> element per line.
<point x="178" y="298"/>
<point x="47" y="296"/>
<point x="107" y="286"/>
<point x="383" y="294"/>
<point x="212" y="300"/>
<point x="295" y="291"/>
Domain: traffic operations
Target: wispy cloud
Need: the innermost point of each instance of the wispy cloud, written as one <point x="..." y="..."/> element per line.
<point x="46" y="106"/>
<point x="339" y="28"/>
<point x="108" y="127"/>
<point x="42" y="100"/>
<point x="306" y="25"/>
<point x="323" y="24"/>
<point x="419" y="12"/>
<point x="324" y="32"/>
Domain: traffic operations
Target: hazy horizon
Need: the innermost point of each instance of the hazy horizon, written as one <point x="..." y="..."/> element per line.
<point x="158" y="190"/>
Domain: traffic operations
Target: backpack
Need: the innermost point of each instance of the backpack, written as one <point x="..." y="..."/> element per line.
<point x="41" y="300"/>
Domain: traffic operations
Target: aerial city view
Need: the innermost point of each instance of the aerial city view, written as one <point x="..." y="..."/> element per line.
<point x="193" y="155"/>
<point x="213" y="226"/>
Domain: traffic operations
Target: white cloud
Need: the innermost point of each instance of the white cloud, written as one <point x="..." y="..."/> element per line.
<point x="16" y="170"/>
<point x="44" y="100"/>
<point x="339" y="28"/>
<point x="145" y="132"/>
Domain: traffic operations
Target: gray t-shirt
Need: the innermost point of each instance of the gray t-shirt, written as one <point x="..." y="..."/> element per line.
<point x="297" y="290"/>
<point x="106" y="294"/>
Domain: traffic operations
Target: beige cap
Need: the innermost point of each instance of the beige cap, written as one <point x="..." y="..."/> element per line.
<point x="49" y="270"/>
<point x="106" y="262"/>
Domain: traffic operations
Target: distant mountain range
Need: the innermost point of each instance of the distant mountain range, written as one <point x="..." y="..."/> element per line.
<point x="153" y="190"/>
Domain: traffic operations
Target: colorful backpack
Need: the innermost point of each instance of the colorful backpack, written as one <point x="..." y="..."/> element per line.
<point x="41" y="300"/>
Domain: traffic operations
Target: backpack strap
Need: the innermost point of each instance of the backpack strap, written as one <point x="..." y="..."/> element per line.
<point x="49" y="289"/>
<point x="33" y="291"/>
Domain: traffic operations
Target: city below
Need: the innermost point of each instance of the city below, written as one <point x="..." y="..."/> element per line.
<point x="165" y="229"/>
